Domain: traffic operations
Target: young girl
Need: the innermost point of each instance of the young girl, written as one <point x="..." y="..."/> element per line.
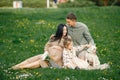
<point x="70" y="60"/>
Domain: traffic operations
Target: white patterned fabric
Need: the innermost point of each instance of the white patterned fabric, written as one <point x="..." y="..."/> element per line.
<point x="70" y="60"/>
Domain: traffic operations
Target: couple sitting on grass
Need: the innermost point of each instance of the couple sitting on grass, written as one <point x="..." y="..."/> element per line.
<point x="71" y="47"/>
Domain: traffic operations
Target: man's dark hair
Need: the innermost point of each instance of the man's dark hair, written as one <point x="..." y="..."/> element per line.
<point x="71" y="16"/>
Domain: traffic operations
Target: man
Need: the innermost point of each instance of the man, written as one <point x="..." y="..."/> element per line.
<point x="79" y="33"/>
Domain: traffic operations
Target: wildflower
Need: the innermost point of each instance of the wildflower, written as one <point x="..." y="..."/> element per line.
<point x="32" y="41"/>
<point x="58" y="79"/>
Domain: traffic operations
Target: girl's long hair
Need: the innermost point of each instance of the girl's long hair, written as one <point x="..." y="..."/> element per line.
<point x="59" y="33"/>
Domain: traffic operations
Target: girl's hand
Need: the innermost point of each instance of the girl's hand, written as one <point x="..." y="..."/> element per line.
<point x="88" y="45"/>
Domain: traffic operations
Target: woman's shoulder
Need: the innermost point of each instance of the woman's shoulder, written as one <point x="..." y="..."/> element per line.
<point x="52" y="37"/>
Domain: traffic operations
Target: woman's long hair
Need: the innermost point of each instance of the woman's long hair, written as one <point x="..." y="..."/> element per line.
<point x="59" y="33"/>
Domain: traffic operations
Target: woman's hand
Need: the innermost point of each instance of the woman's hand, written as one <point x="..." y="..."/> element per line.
<point x="56" y="47"/>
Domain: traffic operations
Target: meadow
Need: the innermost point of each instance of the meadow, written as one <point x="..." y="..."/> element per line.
<point x="24" y="32"/>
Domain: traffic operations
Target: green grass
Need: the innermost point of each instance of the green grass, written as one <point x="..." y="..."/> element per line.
<point x="24" y="32"/>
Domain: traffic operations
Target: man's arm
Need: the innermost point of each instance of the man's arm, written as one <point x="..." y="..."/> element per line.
<point x="88" y="36"/>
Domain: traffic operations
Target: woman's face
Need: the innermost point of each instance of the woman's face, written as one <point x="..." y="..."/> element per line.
<point x="64" y="31"/>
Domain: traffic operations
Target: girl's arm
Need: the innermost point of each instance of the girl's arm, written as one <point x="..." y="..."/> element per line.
<point x="81" y="47"/>
<point x="65" y="57"/>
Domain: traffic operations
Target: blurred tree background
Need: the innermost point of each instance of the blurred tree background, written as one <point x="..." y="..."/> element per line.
<point x="88" y="3"/>
<point x="106" y="2"/>
<point x="69" y="3"/>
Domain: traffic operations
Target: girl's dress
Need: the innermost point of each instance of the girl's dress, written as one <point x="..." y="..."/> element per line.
<point x="70" y="60"/>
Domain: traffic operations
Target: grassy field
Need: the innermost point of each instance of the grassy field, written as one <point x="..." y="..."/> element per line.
<point x="24" y="32"/>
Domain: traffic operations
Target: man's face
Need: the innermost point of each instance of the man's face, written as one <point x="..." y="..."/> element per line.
<point x="70" y="22"/>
